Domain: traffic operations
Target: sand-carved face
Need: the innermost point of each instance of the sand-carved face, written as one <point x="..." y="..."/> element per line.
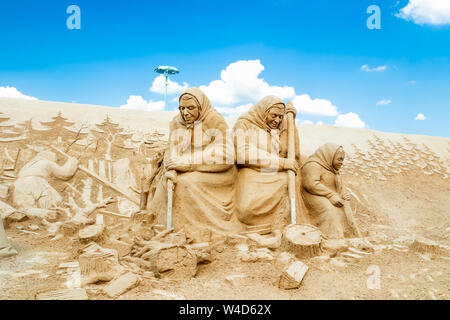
<point x="275" y="116"/>
<point x="189" y="108"/>
<point x="338" y="159"/>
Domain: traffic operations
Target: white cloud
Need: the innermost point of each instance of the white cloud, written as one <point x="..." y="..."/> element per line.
<point x="159" y="86"/>
<point x="237" y="111"/>
<point x="434" y="12"/>
<point x="11" y="92"/>
<point x="366" y="68"/>
<point x="318" y="123"/>
<point x="350" y="119"/>
<point x="139" y="103"/>
<point x="320" y="107"/>
<point x="412" y="82"/>
<point x="420" y="116"/>
<point x="384" y="102"/>
<point x="240" y="82"/>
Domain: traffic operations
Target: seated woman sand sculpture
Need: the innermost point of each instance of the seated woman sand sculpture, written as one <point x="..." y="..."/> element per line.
<point x="261" y="144"/>
<point x="323" y="190"/>
<point x="203" y="160"/>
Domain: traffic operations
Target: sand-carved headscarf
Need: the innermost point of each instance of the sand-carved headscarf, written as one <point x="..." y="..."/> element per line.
<point x="204" y="106"/>
<point x="208" y="118"/>
<point x="257" y="115"/>
<point x="324" y="156"/>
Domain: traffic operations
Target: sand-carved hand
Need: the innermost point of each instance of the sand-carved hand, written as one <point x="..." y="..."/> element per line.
<point x="290" y="164"/>
<point x="178" y="165"/>
<point x="337" y="201"/>
<point x="346" y="196"/>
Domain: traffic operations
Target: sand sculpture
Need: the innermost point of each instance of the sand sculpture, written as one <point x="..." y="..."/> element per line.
<point x="195" y="162"/>
<point x="323" y="191"/>
<point x="32" y="188"/>
<point x="261" y="147"/>
<point x="97" y="239"/>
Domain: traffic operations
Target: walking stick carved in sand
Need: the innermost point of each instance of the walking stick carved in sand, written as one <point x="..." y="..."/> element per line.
<point x="351" y="220"/>
<point x="291" y="155"/>
<point x="171" y="176"/>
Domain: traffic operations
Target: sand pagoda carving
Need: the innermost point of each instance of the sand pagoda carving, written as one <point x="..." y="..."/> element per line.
<point x="59" y="130"/>
<point x="7" y="132"/>
<point x="109" y="135"/>
<point x="26" y="130"/>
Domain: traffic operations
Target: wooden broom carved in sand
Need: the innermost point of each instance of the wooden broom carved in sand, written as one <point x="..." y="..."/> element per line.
<point x="291" y="155"/>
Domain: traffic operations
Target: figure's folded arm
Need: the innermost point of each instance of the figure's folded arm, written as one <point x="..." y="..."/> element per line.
<point x="311" y="181"/>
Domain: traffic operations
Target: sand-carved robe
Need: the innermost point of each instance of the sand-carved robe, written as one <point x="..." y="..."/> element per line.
<point x="320" y="182"/>
<point x="262" y="193"/>
<point x="203" y="202"/>
<point x="32" y="188"/>
<point x="6" y="250"/>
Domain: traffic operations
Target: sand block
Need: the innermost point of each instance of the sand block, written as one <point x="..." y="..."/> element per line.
<point x="406" y="240"/>
<point x="33" y="227"/>
<point x="91" y="233"/>
<point x="68" y="294"/>
<point x="425" y="245"/>
<point x="444" y="249"/>
<point x="359" y="252"/>
<point x="123" y="248"/>
<point x="266" y="241"/>
<point x="337" y="263"/>
<point x="122" y="284"/>
<point x="7" y="252"/>
<point x="361" y="244"/>
<point x="6" y="210"/>
<point x="334" y="245"/>
<point x="69" y="228"/>
<point x="172" y="261"/>
<point x="293" y="276"/>
<point x="203" y="251"/>
<point x="69" y="265"/>
<point x="16" y="217"/>
<point x="262" y="254"/>
<point x="236" y="239"/>
<point x="236" y="280"/>
<point x="350" y="256"/>
<point x="285" y="257"/>
<point x="320" y="259"/>
<point x="98" y="264"/>
<point x="41" y="213"/>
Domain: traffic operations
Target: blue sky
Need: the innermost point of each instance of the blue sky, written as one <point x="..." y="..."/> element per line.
<point x="308" y="49"/>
